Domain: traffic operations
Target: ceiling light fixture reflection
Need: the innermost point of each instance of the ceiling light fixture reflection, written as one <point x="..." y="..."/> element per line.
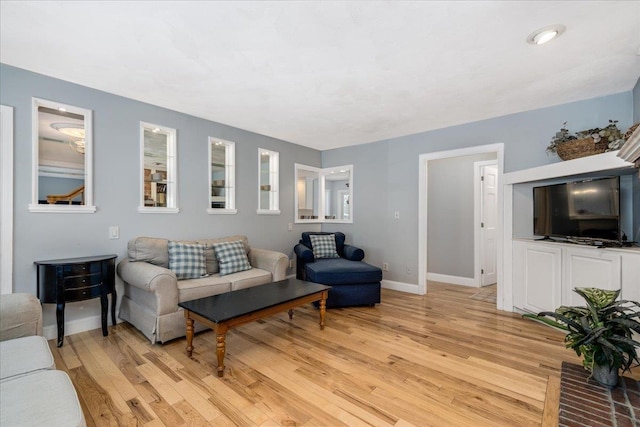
<point x="73" y="130"/>
<point x="546" y="34"/>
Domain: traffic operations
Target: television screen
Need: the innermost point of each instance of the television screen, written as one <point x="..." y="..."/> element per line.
<point x="582" y="209"/>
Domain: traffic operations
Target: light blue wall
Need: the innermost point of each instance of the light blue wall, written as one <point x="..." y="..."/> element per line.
<point x="386" y="172"/>
<point x="41" y="236"/>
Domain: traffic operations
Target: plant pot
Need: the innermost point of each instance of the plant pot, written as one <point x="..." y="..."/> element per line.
<point x="605" y="375"/>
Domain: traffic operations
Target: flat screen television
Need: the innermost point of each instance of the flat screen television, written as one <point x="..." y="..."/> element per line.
<point x="586" y="210"/>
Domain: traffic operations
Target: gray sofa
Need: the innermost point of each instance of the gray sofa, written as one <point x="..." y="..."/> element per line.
<point x="32" y="391"/>
<point x="152" y="291"/>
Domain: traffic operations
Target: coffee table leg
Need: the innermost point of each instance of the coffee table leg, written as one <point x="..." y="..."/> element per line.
<point x="323" y="309"/>
<point x="221" y="332"/>
<point x="189" y="333"/>
<point x="290" y="313"/>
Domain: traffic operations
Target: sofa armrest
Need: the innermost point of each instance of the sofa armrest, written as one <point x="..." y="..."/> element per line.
<point x="20" y="316"/>
<point x="157" y="280"/>
<point x="353" y="253"/>
<point x="304" y="253"/>
<point x="275" y="262"/>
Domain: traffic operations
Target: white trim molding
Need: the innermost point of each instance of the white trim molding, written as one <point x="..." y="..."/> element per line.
<point x="6" y="200"/>
<point x="454" y="280"/>
<point x="87" y="114"/>
<point x="410" y="288"/>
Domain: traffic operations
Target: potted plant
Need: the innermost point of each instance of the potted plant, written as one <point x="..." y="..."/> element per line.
<point x="586" y="142"/>
<point x="601" y="332"/>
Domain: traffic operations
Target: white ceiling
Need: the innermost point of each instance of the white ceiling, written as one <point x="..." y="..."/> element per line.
<point x="331" y="74"/>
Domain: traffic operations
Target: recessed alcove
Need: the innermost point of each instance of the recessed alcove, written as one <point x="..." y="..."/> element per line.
<point x="518" y="210"/>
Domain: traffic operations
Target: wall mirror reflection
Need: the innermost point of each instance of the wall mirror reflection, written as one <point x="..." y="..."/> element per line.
<point x="268" y="182"/>
<point x="337" y="187"/>
<point x="221" y="177"/>
<point x="158" y="165"/>
<point x="62" y="158"/>
<point x="323" y="195"/>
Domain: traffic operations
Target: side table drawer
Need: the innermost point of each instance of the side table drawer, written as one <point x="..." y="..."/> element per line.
<point x="74" y="282"/>
<point x="83" y="293"/>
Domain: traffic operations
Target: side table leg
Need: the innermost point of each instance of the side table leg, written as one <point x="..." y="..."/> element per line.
<point x="221" y="332"/>
<point x="323" y="309"/>
<point x="114" y="300"/>
<point x="104" y="307"/>
<point x="189" y="333"/>
<point x="60" y="321"/>
<point x="290" y="313"/>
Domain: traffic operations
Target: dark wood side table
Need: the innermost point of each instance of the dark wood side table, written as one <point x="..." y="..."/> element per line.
<point x="77" y="279"/>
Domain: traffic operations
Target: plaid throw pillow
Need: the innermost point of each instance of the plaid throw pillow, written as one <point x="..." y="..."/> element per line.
<point x="186" y="260"/>
<point x="231" y="257"/>
<point x="324" y="245"/>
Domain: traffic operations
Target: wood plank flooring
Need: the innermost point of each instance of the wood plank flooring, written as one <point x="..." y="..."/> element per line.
<point x="443" y="359"/>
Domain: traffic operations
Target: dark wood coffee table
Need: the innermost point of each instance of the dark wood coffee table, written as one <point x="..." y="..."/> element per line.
<point x="223" y="311"/>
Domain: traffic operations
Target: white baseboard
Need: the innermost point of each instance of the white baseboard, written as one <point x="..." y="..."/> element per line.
<point x="50" y="332"/>
<point x="400" y="286"/>
<point x="454" y="280"/>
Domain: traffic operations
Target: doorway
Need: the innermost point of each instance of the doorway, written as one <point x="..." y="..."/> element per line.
<point x="423" y="228"/>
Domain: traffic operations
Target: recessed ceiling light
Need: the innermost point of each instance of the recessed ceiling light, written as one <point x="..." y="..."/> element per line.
<point x="546" y="34"/>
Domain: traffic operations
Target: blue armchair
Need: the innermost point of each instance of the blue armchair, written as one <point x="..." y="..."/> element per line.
<point x="353" y="282"/>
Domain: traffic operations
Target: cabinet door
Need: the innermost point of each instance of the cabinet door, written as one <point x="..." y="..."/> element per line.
<point x="537" y="276"/>
<point x="588" y="268"/>
<point x="630" y="275"/>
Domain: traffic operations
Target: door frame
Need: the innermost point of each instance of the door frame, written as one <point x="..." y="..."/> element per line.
<point x="6" y="200"/>
<point x="477" y="216"/>
<point x="423" y="160"/>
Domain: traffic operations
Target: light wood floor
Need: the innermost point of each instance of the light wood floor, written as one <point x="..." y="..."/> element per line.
<point x="443" y="359"/>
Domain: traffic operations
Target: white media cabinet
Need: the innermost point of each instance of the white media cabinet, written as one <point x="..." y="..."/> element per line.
<point x="545" y="273"/>
<point x="540" y="275"/>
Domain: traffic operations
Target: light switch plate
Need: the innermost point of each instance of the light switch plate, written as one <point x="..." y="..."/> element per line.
<point x="114" y="232"/>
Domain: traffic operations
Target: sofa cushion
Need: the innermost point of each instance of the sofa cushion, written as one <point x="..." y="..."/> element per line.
<point x="43" y="398"/>
<point x="249" y="278"/>
<point x="24" y="355"/>
<point x="213" y="284"/>
<point x="209" y="254"/>
<point x="186" y="260"/>
<point x="337" y="271"/>
<point x="232" y="257"/>
<point x="324" y="245"/>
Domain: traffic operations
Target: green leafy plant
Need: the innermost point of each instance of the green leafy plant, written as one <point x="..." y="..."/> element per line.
<point x="601" y="332"/>
<point x="609" y="134"/>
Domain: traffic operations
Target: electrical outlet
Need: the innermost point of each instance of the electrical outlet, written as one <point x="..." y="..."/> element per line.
<point x="290" y="226"/>
<point x="114" y="232"/>
<point x="385" y="266"/>
<point x="409" y="271"/>
<point x="396" y="215"/>
<point x="290" y="263"/>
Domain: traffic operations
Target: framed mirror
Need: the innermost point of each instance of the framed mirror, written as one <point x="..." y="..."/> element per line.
<point x="268" y="182"/>
<point x="222" y="192"/>
<point x="158" y="178"/>
<point x="324" y="195"/>
<point x="62" y="166"/>
<point x="307" y="196"/>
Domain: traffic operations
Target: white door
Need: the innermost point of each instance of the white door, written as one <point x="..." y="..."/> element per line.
<point x="489" y="224"/>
